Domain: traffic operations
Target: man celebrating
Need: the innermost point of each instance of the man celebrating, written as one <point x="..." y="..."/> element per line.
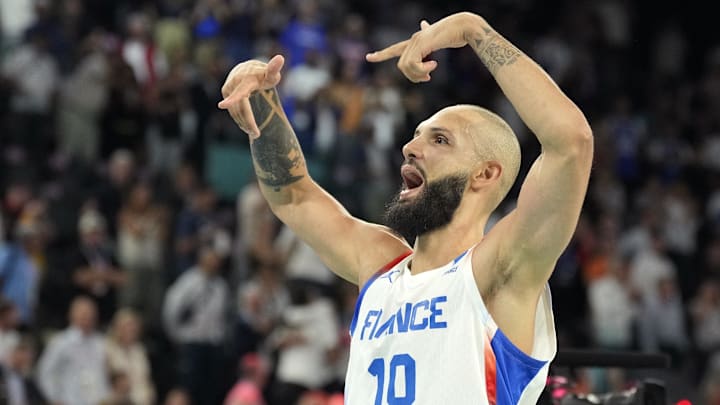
<point x="463" y="317"/>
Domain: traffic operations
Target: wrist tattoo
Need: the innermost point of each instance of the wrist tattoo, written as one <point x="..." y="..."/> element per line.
<point x="276" y="152"/>
<point x="495" y="51"/>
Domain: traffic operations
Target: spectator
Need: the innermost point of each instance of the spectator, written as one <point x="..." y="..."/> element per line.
<point x="79" y="112"/>
<point x="304" y="82"/>
<point x="663" y="324"/>
<point x="650" y="266"/>
<point x="198" y="214"/>
<point x="15" y="17"/>
<point x="262" y="300"/>
<point x="119" y="390"/>
<point x="625" y="129"/>
<point x="308" y="334"/>
<point x="313" y="398"/>
<point x="18" y="273"/>
<point x="126" y="356"/>
<point x="96" y="273"/>
<point x="336" y="399"/>
<point x="256" y="227"/>
<point x="9" y="336"/>
<point x="34" y="75"/>
<point x="194" y="312"/>
<point x="16" y="383"/>
<point x="254" y="371"/>
<point x="613" y="313"/>
<point x="638" y="238"/>
<point x="301" y="262"/>
<point x="177" y="396"/>
<point x="613" y="307"/>
<point x="148" y="64"/>
<point x="72" y="369"/>
<point x="305" y="33"/>
<point x="680" y="228"/>
<point x="351" y="45"/>
<point x="124" y="119"/>
<point x="121" y="171"/>
<point x="142" y="232"/>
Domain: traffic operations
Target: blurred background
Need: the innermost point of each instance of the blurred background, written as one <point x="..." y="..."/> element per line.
<point x="140" y="265"/>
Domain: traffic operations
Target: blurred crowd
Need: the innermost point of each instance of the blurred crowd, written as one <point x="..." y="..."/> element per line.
<point x="127" y="276"/>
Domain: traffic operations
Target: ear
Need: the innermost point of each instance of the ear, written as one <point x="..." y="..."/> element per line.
<point x="488" y="173"/>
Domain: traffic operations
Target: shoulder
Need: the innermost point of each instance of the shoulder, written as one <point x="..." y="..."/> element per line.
<point x="188" y="279"/>
<point x="393" y="259"/>
<point x="63" y="338"/>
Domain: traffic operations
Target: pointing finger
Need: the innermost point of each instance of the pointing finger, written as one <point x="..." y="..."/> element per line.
<point x="243" y="90"/>
<point x="242" y="114"/>
<point x="392" y="51"/>
<point x="275" y="65"/>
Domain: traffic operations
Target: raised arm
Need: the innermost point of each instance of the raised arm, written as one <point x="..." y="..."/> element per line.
<point x="532" y="237"/>
<point x="552" y="195"/>
<point x="352" y="248"/>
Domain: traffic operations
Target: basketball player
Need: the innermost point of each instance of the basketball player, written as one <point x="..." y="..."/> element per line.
<point x="463" y="317"/>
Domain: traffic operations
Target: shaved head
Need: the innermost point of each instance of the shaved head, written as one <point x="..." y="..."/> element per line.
<point x="493" y="140"/>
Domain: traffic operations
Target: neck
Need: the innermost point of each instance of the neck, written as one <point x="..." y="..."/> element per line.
<point x="439" y="247"/>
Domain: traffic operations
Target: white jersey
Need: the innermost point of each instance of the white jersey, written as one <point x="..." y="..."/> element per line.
<point x="428" y="339"/>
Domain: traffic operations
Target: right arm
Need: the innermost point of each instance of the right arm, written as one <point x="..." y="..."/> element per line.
<point x="351" y="248"/>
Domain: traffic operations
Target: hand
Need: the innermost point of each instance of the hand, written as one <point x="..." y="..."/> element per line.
<point x="243" y="80"/>
<point x="446" y="33"/>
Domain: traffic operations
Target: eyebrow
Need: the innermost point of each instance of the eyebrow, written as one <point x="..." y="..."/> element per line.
<point x="435" y="129"/>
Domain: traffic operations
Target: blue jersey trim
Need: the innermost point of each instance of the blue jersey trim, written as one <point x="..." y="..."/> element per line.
<point x="457" y="259"/>
<point x="374" y="277"/>
<point x="514" y="369"/>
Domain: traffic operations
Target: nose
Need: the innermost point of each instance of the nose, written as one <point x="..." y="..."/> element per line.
<point x="412" y="149"/>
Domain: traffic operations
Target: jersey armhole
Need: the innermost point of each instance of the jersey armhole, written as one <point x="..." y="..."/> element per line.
<point x="543" y="334"/>
<point x="367" y="284"/>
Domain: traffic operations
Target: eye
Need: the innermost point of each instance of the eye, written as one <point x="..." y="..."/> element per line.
<point x="441" y="139"/>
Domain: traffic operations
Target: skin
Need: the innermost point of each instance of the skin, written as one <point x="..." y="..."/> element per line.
<point x="515" y="259"/>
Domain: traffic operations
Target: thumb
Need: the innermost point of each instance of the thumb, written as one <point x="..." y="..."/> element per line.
<point x="424" y="24"/>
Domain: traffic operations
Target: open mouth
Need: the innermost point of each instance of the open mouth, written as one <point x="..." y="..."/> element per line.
<point x="413" y="181"/>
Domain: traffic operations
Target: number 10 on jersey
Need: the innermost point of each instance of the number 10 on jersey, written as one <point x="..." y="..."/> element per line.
<point x="398" y="361"/>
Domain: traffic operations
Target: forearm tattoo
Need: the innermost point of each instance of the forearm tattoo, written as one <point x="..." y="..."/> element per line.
<point x="276" y="152"/>
<point x="494" y="51"/>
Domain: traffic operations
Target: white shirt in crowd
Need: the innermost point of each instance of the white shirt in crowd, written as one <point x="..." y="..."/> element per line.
<point x="647" y="269"/>
<point x="36" y="75"/>
<point x="203" y="301"/>
<point x="304" y="81"/>
<point x="663" y="324"/>
<point x="8" y="340"/>
<point x="134" y="363"/>
<point x="302" y="261"/>
<point x="613" y="312"/>
<point x="72" y="369"/>
<point x="15" y="17"/>
<point x="306" y="364"/>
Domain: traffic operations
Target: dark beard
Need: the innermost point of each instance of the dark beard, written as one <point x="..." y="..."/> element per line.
<point x="430" y="210"/>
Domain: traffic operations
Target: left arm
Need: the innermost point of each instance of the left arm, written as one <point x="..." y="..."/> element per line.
<point x="531" y="238"/>
<point x="534" y="235"/>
